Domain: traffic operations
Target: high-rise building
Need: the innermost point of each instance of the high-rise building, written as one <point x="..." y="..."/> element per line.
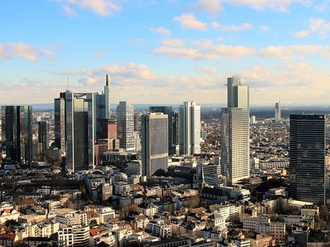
<point x="43" y="136"/>
<point x="190" y="129"/>
<point x="307" y="158"/>
<point x="80" y="130"/>
<point x="125" y="125"/>
<point x="79" y="119"/>
<point x="154" y="143"/>
<point x="235" y="132"/>
<point x="17" y="133"/>
<point x="169" y="112"/>
<point x="60" y="123"/>
<point x="277" y="112"/>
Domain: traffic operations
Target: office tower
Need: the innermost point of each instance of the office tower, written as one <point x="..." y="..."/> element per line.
<point x="80" y="132"/>
<point x="189" y="133"/>
<point x="75" y="128"/>
<point x="235" y="132"/>
<point x="60" y="123"/>
<point x="102" y="110"/>
<point x="109" y="133"/>
<point x="43" y="137"/>
<point x="307" y="158"/>
<point x="168" y="111"/>
<point x="17" y="133"/>
<point x="136" y="122"/>
<point x="277" y="112"/>
<point x="154" y="143"/>
<point x="125" y="125"/>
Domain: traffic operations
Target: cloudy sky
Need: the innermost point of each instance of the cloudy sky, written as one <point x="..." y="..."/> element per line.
<point x="165" y="51"/>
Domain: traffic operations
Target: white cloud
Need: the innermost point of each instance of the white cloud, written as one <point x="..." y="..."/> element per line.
<point x="264" y="28"/>
<point x="233" y="28"/>
<point x="284" y="51"/>
<point x="209" y="70"/>
<point x="209" y="6"/>
<point x="161" y="30"/>
<point x="25" y="51"/>
<point x="173" y="42"/>
<point x="318" y="26"/>
<point x="99" y="7"/>
<point x="68" y="11"/>
<point x="189" y="22"/>
<point x="206" y="50"/>
<point x="278" y="5"/>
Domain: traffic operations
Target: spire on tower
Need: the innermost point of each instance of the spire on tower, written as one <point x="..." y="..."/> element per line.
<point x="68" y="84"/>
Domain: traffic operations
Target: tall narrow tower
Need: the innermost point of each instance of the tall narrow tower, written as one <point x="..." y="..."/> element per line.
<point x="307" y="158"/>
<point x="125" y="125"/>
<point x="189" y="124"/>
<point x="235" y="132"/>
<point x="277" y="112"/>
<point x="107" y="97"/>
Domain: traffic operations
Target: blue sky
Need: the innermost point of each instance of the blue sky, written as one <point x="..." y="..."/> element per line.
<point x="166" y="51"/>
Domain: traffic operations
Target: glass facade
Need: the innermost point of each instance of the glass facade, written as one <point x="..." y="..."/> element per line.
<point x="17" y="133"/>
<point x="307" y="158"/>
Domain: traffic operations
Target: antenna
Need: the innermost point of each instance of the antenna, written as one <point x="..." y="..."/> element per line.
<point x="68" y="84"/>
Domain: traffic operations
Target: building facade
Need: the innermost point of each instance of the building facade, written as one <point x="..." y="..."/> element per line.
<point x="307" y="158"/>
<point x="43" y="136"/>
<point x="190" y="130"/>
<point x="125" y="125"/>
<point x="277" y="112"/>
<point x="16" y="126"/>
<point x="169" y="112"/>
<point x="154" y="143"/>
<point x="235" y="132"/>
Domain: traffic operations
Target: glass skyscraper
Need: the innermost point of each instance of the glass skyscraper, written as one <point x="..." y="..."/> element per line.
<point x="17" y="133"/>
<point x="125" y="125"/>
<point x="235" y="132"/>
<point x="307" y="158"/>
<point x="190" y="129"/>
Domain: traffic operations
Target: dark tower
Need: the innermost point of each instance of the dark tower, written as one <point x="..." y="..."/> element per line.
<point x="307" y="158"/>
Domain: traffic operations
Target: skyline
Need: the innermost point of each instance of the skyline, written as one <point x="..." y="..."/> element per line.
<point x="165" y="52"/>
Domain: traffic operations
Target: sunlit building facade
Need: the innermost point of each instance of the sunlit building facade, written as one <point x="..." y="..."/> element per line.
<point x="235" y="132"/>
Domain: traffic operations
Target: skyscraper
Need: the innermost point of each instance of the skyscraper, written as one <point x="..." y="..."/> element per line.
<point x="80" y="130"/>
<point x="154" y="143"/>
<point x="235" y="132"/>
<point x="277" y="112"/>
<point x="307" y="158"/>
<point x="17" y="133"/>
<point x="43" y="137"/>
<point x="190" y="129"/>
<point x="60" y="123"/>
<point x="79" y="119"/>
<point x="125" y="125"/>
<point x="168" y="111"/>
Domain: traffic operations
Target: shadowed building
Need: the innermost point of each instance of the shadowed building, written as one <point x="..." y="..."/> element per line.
<point x="17" y="133"/>
<point x="307" y="158"/>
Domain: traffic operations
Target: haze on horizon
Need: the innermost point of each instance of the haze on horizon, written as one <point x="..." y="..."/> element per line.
<point x="165" y="52"/>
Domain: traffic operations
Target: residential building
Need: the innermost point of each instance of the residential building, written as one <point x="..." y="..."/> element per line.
<point x="307" y="158"/>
